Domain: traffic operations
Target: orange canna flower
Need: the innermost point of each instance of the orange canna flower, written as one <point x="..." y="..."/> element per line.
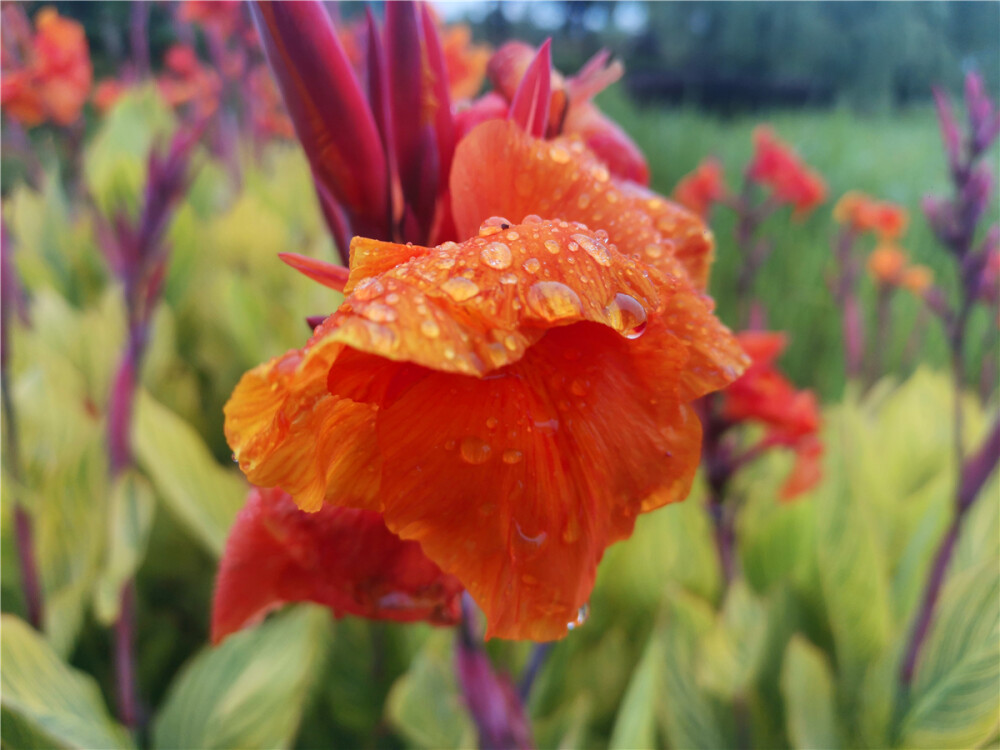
<point x="343" y="558"/>
<point x="464" y="61"/>
<point x="221" y="16"/>
<point x="917" y="279"/>
<point x="791" y="416"/>
<point x="776" y="166"/>
<point x="887" y="263"/>
<point x="807" y="472"/>
<point x="701" y="188"/>
<point x="268" y="112"/>
<point x="187" y="83"/>
<point x="864" y="214"/>
<point x="512" y="402"/>
<point x="107" y="93"/>
<point x="53" y="80"/>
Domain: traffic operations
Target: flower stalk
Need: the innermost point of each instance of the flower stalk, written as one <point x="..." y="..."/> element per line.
<point x="955" y="224"/>
<point x="137" y="254"/>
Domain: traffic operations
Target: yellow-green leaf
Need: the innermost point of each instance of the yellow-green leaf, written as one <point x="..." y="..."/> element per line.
<point x="807" y="685"/>
<point x="250" y="691"/>
<point x="46" y="702"/>
<point x="635" y="725"/>
<point x="130" y="518"/>
<point x="200" y="492"/>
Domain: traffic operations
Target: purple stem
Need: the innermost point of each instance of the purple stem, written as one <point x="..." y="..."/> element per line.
<point x="845" y="292"/>
<point x="494" y="705"/>
<point x="139" y="39"/>
<point x="539" y="654"/>
<point x="883" y="318"/>
<point x="29" y="566"/>
<point x="128" y="703"/>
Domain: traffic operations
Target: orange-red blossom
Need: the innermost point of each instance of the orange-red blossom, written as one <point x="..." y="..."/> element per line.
<point x="699" y="190"/>
<point x="51" y="82"/>
<point x="764" y="396"/>
<point x="779" y="168"/>
<point x="511" y="402"/>
<point x="862" y="213"/>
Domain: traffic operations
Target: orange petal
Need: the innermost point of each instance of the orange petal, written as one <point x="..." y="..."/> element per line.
<point x="343" y="558"/>
<point x="500" y="171"/>
<point x="287" y="430"/>
<point x="516" y="483"/>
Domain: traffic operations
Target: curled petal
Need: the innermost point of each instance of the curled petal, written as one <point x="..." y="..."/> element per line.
<point x="501" y="171"/>
<point x="529" y="107"/>
<point x="328" y="274"/>
<point x="343" y="558"/>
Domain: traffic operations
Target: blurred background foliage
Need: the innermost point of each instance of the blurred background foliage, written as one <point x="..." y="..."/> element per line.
<point x="802" y="651"/>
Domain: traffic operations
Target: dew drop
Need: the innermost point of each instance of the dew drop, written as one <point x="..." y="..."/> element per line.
<point x="474" y="450"/>
<point x="582" y="615"/>
<point x="445" y="263"/>
<point x="595" y="249"/>
<point x="553" y="300"/>
<point x="492" y="422"/>
<point x="496" y="255"/>
<point x="460" y="288"/>
<point x="512" y="457"/>
<point x="379" y="313"/>
<point x="513" y="236"/>
<point x="508" y="279"/>
<point x="368" y="289"/>
<point x="493" y="225"/>
<point x="626" y="315"/>
<point x="532" y="219"/>
<point x="552" y="246"/>
<point x="579" y="387"/>
<point x="559" y="155"/>
<point x="430" y="329"/>
<point x="653" y="251"/>
<point x="531" y="265"/>
<point x="510" y="342"/>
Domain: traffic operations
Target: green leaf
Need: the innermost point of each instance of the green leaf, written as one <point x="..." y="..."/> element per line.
<point x="250" y="691"/>
<point x="425" y="704"/>
<point x="635" y="725"/>
<point x="130" y="519"/>
<point x="203" y="495"/>
<point x="47" y="703"/>
<point x="853" y="569"/>
<point x="953" y="702"/>
<point x="807" y="685"/>
<point x="732" y="651"/>
<point x="690" y="717"/>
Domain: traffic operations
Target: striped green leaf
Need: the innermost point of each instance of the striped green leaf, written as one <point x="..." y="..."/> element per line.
<point x="198" y="491"/>
<point x="953" y="702"/>
<point x="635" y="725"/>
<point x="250" y="691"/>
<point x="47" y="703"/>
<point x="807" y="685"/>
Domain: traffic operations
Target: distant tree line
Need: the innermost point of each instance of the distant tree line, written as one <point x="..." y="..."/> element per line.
<point x="739" y="55"/>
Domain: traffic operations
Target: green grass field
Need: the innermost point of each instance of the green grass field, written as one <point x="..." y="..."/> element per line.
<point x="893" y="157"/>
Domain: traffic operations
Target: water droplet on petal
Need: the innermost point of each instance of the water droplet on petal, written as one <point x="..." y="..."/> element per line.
<point x="510" y="342"/>
<point x="595" y="249"/>
<point x="474" y="450"/>
<point x="379" y="313"/>
<point x="460" y="288"/>
<point x="626" y="315"/>
<point x="508" y="279"/>
<point x="512" y="457"/>
<point x="430" y="329"/>
<point x="532" y="219"/>
<point x="492" y="422"/>
<point x="559" y="155"/>
<point x="368" y="289"/>
<point x="531" y="265"/>
<point x="582" y="615"/>
<point x="579" y="387"/>
<point x="513" y="236"/>
<point x="653" y="251"/>
<point x="552" y="246"/>
<point x="496" y="255"/>
<point x="445" y="263"/>
<point x="553" y="300"/>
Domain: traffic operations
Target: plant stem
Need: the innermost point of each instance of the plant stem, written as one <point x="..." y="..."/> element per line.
<point x="539" y="653"/>
<point x="128" y="703"/>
